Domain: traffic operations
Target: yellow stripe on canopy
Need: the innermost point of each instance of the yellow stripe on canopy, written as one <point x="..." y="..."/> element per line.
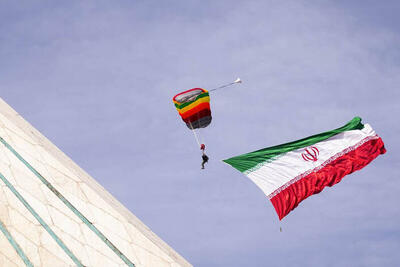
<point x="195" y="103"/>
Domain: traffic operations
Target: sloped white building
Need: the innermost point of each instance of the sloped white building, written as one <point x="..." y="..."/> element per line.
<point x="52" y="213"/>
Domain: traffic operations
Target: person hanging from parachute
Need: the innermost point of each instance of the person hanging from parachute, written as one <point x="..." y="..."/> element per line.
<point x="193" y="106"/>
<point x="204" y="156"/>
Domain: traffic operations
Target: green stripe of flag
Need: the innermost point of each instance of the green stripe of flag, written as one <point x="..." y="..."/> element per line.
<point x="248" y="161"/>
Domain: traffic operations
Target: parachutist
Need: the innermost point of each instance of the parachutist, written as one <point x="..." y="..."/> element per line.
<point x="205" y="159"/>
<point x="204" y="156"/>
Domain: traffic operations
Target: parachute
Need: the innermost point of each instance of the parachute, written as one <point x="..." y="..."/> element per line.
<point x="194" y="107"/>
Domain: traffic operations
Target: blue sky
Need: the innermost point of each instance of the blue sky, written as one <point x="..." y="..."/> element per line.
<point x="97" y="79"/>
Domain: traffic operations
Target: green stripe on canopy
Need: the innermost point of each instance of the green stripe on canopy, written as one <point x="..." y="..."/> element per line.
<point x="248" y="161"/>
<point x="180" y="106"/>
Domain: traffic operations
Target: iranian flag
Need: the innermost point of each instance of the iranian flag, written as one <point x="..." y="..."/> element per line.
<point x="291" y="172"/>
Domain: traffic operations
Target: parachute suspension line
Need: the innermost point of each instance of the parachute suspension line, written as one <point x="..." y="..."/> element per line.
<point x="201" y="138"/>
<point x="194" y="133"/>
<point x="226" y="85"/>
<point x="195" y="136"/>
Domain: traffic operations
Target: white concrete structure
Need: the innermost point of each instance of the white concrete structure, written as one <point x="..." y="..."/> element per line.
<point x="52" y="213"/>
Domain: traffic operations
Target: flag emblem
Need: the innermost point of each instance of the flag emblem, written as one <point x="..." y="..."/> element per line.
<point x="310" y="154"/>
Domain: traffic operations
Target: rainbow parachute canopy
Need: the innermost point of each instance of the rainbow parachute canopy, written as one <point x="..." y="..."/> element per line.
<point x="194" y="107"/>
